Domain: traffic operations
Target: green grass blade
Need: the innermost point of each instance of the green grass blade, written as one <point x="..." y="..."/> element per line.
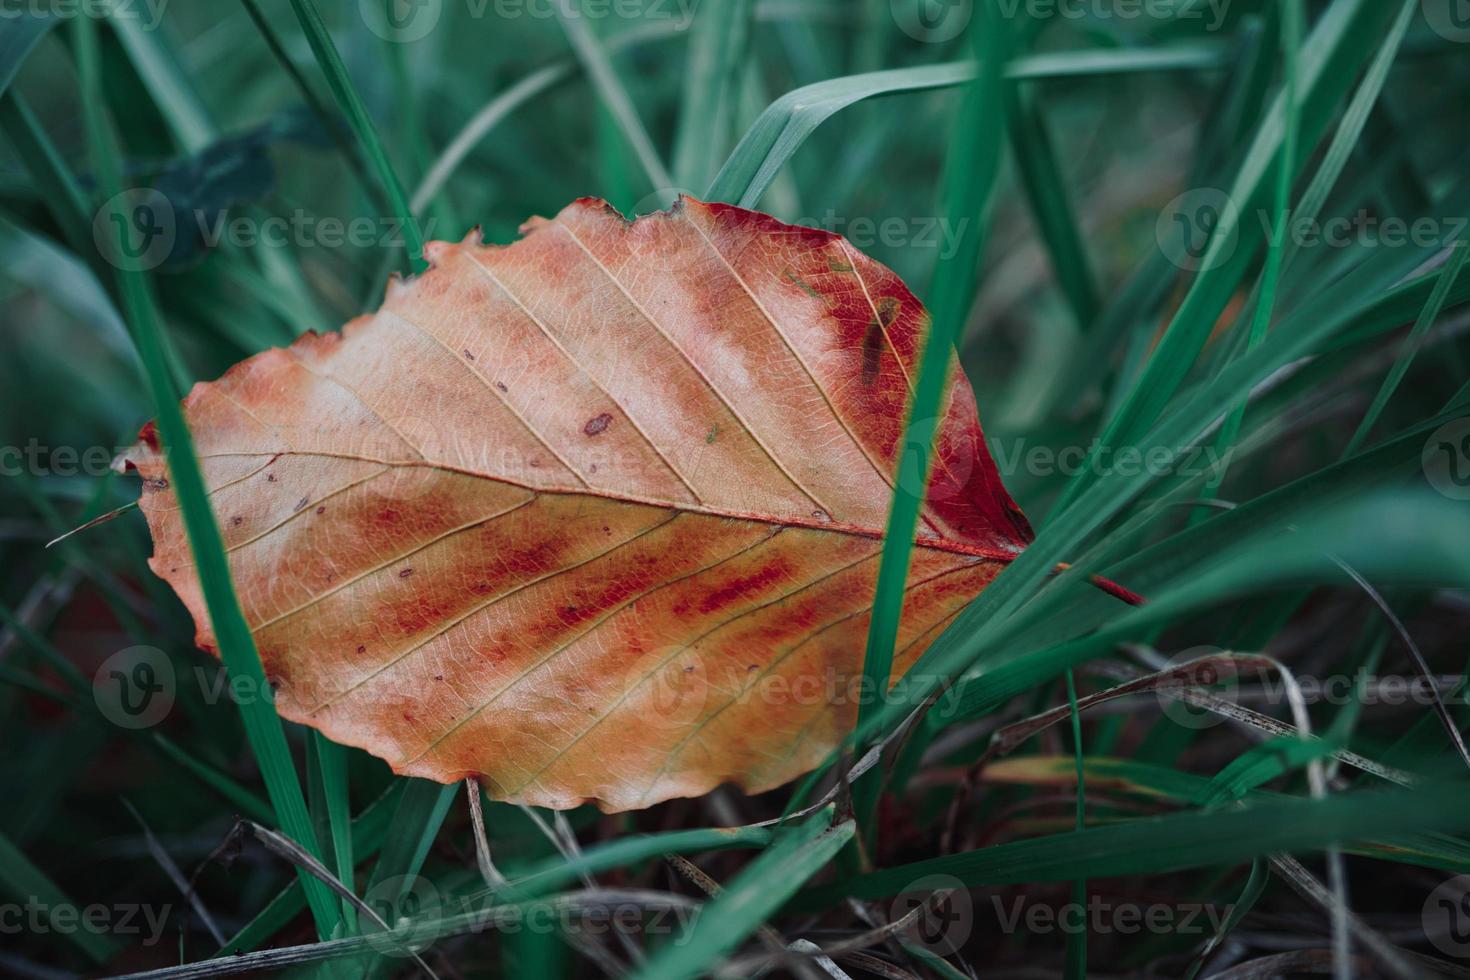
<point x="610" y="91"/>
<point x="343" y="91"/>
<point x="164" y="78"/>
<point x="236" y="643"/>
<point x="52" y="179"/>
<point x="1156" y="845"/>
<point x="85" y="703"/>
<point x="787" y="123"/>
<point x="971" y="172"/>
<point x="415" y="823"/>
<point x="1328" y="64"/>
<point x="721" y="32"/>
<point x="1293" y="17"/>
<point x="369" y="831"/>
<point x="29" y="884"/>
<point x="556" y="873"/>
<point x="492" y="113"/>
<point x="329" y="122"/>
<point x="750" y="898"/>
<point x="1051" y="206"/>
<point x="1255" y="886"/>
<point x="1354" y="118"/>
<point x="1432" y="308"/>
<point x="19" y="35"/>
<point x="1076" y="962"/>
<point x="981" y="627"/>
<point x="332" y="759"/>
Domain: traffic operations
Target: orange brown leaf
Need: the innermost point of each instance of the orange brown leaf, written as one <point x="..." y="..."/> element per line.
<point x="595" y="516"/>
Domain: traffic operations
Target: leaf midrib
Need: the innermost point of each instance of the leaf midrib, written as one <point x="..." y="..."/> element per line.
<point x="836" y="527"/>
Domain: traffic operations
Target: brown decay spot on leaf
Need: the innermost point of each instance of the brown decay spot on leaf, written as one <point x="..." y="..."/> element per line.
<point x="561" y="590"/>
<point x="875" y="337"/>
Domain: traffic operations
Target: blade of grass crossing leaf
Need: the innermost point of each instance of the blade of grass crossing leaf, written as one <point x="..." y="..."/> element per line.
<point x="610" y="90"/>
<point x="1293" y="16"/>
<point x="981" y="626"/>
<point x="750" y="898"/>
<point x="1459" y="251"/>
<point x="236" y="644"/>
<point x="716" y="50"/>
<point x="971" y="173"/>
<point x="27" y="883"/>
<point x="352" y="107"/>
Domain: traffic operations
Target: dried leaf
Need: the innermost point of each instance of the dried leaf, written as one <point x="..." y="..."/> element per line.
<point x="593" y="516"/>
